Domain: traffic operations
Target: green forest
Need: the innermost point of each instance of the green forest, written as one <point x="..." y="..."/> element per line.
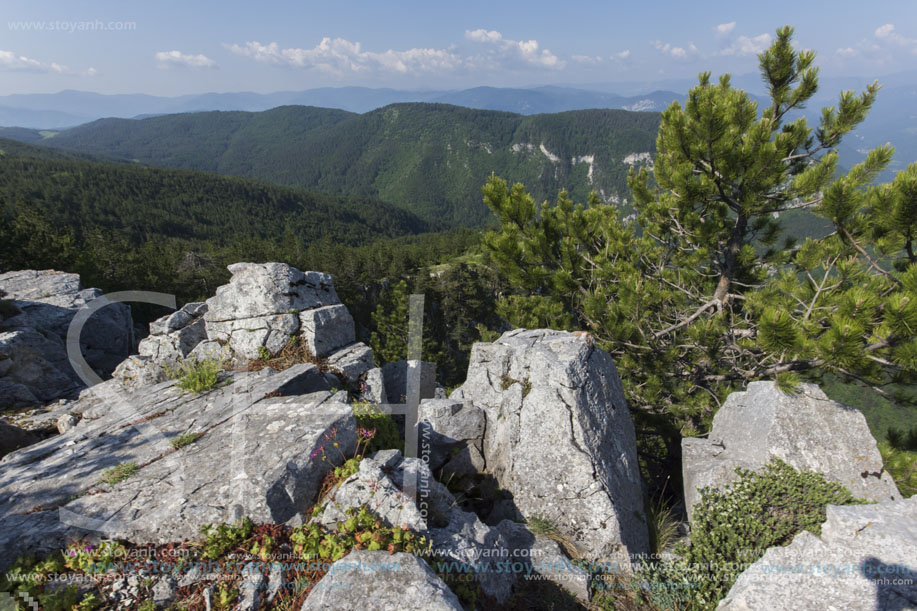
<point x="429" y="159"/>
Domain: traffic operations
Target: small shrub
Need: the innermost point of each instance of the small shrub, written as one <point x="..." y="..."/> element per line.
<point x="225" y="596"/>
<point x="361" y="530"/>
<point x="88" y="558"/>
<point x="185" y="440"/>
<point x="119" y="473"/>
<point x="224" y="537"/>
<point x="196" y="376"/>
<point x="386" y="435"/>
<point x="733" y="528"/>
<point x="263" y="353"/>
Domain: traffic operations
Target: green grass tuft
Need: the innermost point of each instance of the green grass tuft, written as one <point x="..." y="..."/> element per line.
<point x="120" y="473"/>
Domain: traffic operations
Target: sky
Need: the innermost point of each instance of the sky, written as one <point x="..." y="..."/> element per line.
<point x="167" y="47"/>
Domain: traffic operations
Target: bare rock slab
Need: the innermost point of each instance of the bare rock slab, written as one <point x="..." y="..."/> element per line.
<point x="258" y="455"/>
<point x="865" y="558"/>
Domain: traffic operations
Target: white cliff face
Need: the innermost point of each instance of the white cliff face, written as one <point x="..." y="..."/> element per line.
<point x="587" y="159"/>
<point x="551" y="156"/>
<point x="638" y="158"/>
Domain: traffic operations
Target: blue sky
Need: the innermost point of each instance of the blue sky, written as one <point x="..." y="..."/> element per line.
<point x="170" y="48"/>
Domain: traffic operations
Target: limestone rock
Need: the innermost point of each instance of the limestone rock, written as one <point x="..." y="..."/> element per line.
<point x="373" y="388"/>
<point x="326" y="329"/>
<point x="402" y="491"/>
<point x="136" y="371"/>
<point x="108" y="335"/>
<point x="806" y="430"/>
<point x="34" y="367"/>
<point x="377" y="581"/>
<point x="455" y="431"/>
<point x="865" y="558"/>
<point x="396" y="374"/>
<point x="258" y="456"/>
<point x="544" y="557"/>
<point x="351" y="362"/>
<point x="173" y="337"/>
<point x="66" y="422"/>
<point x="560" y="439"/>
<point x="269" y="288"/>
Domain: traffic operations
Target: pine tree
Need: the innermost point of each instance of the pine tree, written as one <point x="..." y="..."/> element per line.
<point x="699" y="294"/>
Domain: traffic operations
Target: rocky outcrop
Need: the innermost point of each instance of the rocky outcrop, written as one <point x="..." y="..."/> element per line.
<point x="39" y="307"/>
<point x="559" y="437"/>
<point x="454" y="431"/>
<point x="172" y="338"/>
<point x="865" y="558"/>
<point x="261" y="311"/>
<point x="379" y="580"/>
<point x="262" y="306"/>
<point x="248" y="448"/>
<point x="805" y="429"/>
<point x="403" y="492"/>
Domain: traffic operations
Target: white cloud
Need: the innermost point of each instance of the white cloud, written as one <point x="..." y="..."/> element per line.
<point x="503" y="50"/>
<point x="743" y="45"/>
<point x="587" y="59"/>
<point x="725" y="29"/>
<point x="623" y="54"/>
<point x="887" y="33"/>
<point x="340" y="56"/>
<point x="482" y="35"/>
<point x="847" y="52"/>
<point x="169" y="59"/>
<point x="675" y="52"/>
<point x="11" y="61"/>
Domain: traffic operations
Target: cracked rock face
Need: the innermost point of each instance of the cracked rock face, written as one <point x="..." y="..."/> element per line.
<point x="806" y="430"/>
<point x="559" y="437"/>
<point x="34" y="367"/>
<point x="256" y="456"/>
<point x="865" y="558"/>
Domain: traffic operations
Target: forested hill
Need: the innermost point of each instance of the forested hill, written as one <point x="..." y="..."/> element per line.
<point x="430" y="159"/>
<point x="141" y="203"/>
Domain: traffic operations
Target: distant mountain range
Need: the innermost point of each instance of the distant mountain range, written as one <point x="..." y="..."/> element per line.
<point x="428" y="159"/>
<point x="71" y="108"/>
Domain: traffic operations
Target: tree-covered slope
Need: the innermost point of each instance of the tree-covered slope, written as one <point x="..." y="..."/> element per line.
<point x="140" y="201"/>
<point x="430" y="159"/>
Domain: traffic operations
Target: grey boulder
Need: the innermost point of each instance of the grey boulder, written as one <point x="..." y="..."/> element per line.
<point x="454" y="430"/>
<point x="559" y="437"/>
<point x="378" y="581"/>
<point x="396" y="375"/>
<point x="806" y="430"/>
<point x="34" y="366"/>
